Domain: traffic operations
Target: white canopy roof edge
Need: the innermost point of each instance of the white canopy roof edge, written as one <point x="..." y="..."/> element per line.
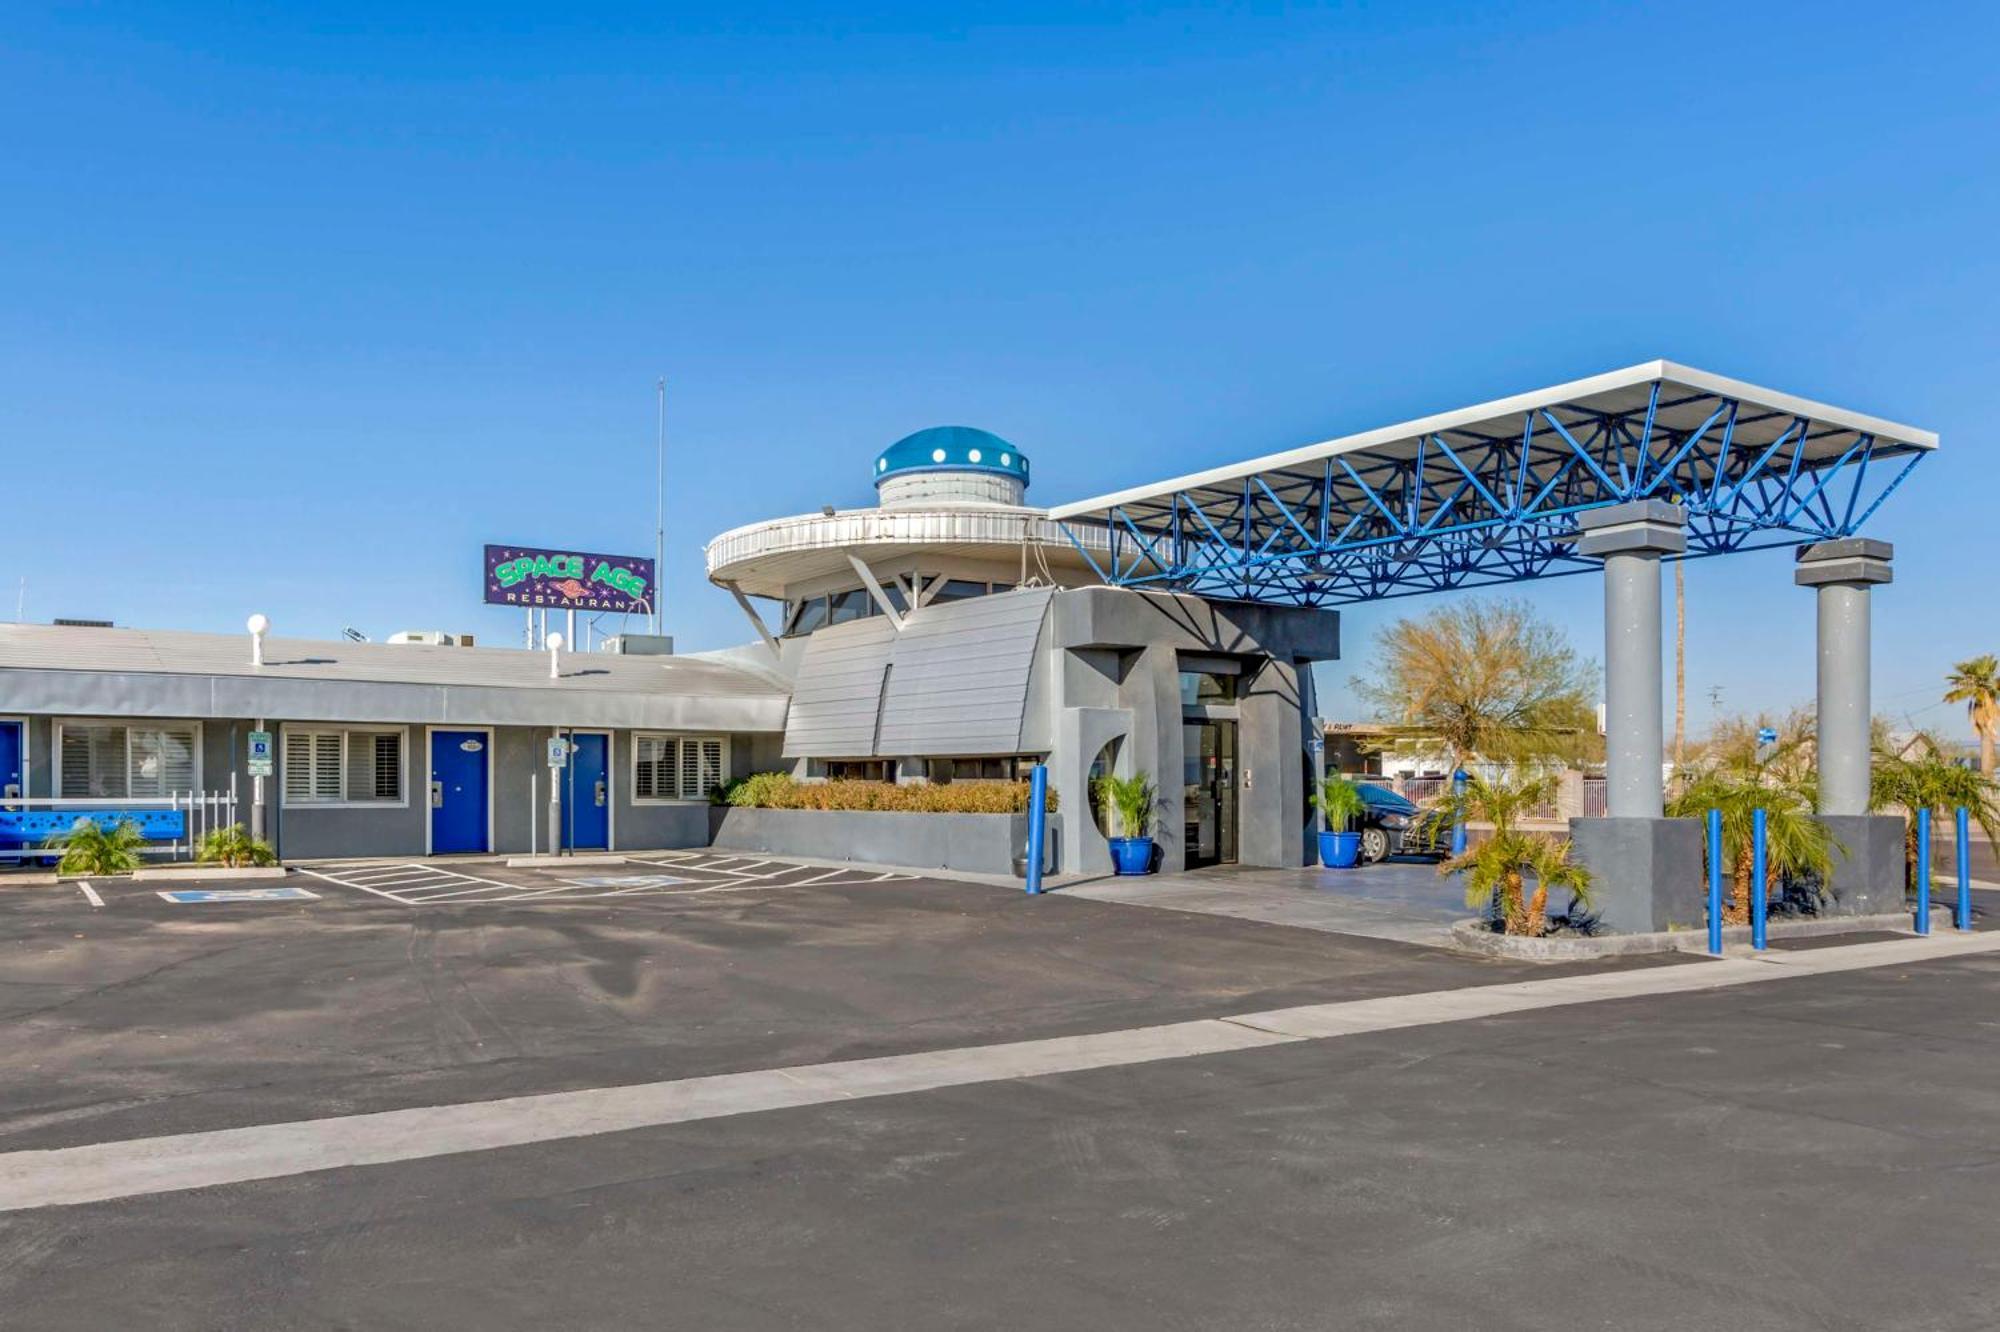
<point x="1576" y="390"/>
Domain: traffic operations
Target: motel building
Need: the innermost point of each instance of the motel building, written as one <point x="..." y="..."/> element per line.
<point x="950" y="631"/>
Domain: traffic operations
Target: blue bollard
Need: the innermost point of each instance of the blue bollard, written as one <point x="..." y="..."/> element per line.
<point x="1715" y="882"/>
<point x="1964" y="848"/>
<point x="1458" y="828"/>
<point x="1923" y="871"/>
<point x="1759" y="908"/>
<point x="1038" y="822"/>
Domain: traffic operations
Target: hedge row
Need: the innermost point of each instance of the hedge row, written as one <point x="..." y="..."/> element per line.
<point x="778" y="790"/>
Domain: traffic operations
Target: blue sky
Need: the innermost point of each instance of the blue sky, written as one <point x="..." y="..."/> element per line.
<point x="299" y="308"/>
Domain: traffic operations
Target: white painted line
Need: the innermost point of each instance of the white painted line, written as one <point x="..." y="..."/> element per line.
<point x="343" y="883"/>
<point x="71" y="1175"/>
<point x="90" y="894"/>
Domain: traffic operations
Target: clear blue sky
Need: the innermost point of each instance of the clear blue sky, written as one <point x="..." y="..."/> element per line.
<point x="299" y="308"/>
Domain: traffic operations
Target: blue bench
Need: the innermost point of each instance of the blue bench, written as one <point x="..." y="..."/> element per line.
<point x="38" y="825"/>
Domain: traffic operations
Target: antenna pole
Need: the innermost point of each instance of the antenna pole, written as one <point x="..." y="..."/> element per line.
<point x="660" y="505"/>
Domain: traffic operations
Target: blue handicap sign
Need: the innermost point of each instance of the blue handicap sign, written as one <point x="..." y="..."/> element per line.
<point x="1767" y="735"/>
<point x="287" y="894"/>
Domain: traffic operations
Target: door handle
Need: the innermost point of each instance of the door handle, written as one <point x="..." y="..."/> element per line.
<point x="600" y="793"/>
<point x="12" y="792"/>
<point x="437" y="795"/>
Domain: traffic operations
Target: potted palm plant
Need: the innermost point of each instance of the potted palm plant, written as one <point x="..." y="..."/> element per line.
<point x="1339" y="801"/>
<point x="1132" y="802"/>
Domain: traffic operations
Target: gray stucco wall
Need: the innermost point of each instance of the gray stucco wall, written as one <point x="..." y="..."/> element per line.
<point x="1110" y="666"/>
<point x="974" y="843"/>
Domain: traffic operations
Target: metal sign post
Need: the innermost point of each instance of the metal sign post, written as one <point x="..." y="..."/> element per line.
<point x="260" y="763"/>
<point x="558" y="760"/>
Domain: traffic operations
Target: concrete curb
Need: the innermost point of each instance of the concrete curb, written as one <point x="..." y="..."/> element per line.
<point x="1473" y="936"/>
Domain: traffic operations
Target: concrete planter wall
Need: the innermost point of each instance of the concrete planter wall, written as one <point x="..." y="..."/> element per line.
<point x="972" y="843"/>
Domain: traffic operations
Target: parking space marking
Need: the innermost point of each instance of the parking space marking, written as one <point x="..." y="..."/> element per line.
<point x="90" y="894"/>
<point x="693" y="874"/>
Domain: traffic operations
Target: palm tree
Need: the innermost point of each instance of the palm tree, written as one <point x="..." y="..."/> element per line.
<point x="1975" y="682"/>
<point x="1918" y="775"/>
<point x="1796" y="843"/>
<point x="88" y="848"/>
<point x="1496" y="871"/>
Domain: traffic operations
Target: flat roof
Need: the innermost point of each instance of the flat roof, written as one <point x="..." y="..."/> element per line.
<point x="46" y="647"/>
<point x="1619" y="392"/>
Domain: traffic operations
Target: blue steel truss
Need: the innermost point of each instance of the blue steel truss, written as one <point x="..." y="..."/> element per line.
<point x="1475" y="506"/>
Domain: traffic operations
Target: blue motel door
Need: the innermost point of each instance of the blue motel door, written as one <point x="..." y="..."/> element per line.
<point x="459" y="768"/>
<point x="586" y="794"/>
<point x="11" y="778"/>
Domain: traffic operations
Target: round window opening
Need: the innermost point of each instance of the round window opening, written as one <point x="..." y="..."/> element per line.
<point x="937" y="455"/>
<point x="1103" y="766"/>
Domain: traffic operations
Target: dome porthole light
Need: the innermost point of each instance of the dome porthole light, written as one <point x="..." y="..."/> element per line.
<point x="973" y="456"/>
<point x="881" y="464"/>
<point x="1006" y="460"/>
<point x="937" y="455"/>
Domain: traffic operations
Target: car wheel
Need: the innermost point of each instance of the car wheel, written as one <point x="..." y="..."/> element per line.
<point x="1374" y="845"/>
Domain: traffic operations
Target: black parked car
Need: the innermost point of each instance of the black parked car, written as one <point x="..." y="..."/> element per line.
<point x="1395" y="826"/>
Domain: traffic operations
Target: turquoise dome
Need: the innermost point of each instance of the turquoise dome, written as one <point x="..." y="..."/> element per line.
<point x="951" y="449"/>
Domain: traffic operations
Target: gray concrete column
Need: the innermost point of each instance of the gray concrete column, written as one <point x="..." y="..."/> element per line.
<point x="1842" y="572"/>
<point x="1631" y="539"/>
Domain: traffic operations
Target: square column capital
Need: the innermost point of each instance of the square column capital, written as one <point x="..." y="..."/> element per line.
<point x="1641" y="527"/>
<point x="1858" y="561"/>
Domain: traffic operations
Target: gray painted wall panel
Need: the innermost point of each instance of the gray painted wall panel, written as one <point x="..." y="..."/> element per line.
<point x="839" y="689"/>
<point x="960" y="683"/>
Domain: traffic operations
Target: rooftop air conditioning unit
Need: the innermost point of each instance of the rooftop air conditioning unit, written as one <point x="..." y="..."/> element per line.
<point x="425" y="637"/>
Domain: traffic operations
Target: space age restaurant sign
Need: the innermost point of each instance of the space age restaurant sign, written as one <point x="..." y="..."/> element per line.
<point x="567" y="579"/>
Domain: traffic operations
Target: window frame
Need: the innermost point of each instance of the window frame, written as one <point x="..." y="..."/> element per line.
<point x="677" y="739"/>
<point x="127" y="725"/>
<point x="346" y="734"/>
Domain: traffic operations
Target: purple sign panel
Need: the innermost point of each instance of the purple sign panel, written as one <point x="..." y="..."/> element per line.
<point x="567" y="579"/>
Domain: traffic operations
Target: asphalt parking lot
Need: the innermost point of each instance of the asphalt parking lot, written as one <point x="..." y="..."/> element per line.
<point x="1814" y="1153"/>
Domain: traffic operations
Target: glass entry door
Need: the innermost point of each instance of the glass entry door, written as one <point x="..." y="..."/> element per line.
<point x="1208" y="761"/>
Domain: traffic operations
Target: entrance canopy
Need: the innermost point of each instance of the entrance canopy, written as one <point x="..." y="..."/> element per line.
<point x="1490" y="494"/>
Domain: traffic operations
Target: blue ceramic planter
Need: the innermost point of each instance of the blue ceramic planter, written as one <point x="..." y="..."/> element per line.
<point x="1132" y="855"/>
<point x="1339" y="850"/>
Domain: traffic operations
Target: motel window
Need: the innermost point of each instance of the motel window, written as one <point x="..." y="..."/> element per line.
<point x="859" y="770"/>
<point x="959" y="589"/>
<point x="343" y="767"/>
<point x="100" y="762"/>
<point x="1202" y="687"/>
<point x="807" y="615"/>
<point x="666" y="767"/>
<point x="853" y="604"/>
<point x="1006" y="768"/>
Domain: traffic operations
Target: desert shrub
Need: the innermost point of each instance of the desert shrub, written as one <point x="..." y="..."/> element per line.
<point x="778" y="790"/>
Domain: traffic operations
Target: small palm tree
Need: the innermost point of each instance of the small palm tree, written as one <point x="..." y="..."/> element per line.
<point x="235" y="848"/>
<point x="88" y="848"/>
<point x="1340" y="801"/>
<point x="1918" y="775"/>
<point x="1796" y="844"/>
<point x="1133" y="802"/>
<point x="1976" y="683"/>
<point x="1497" y="870"/>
